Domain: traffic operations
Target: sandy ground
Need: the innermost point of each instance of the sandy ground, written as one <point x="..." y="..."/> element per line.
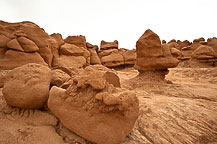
<point x="182" y="109"/>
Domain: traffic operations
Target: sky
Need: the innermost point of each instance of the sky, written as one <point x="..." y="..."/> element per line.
<point x="122" y="20"/>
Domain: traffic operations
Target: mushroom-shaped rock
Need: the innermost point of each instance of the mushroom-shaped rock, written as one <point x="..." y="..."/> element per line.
<point x="151" y="55"/>
<point x="95" y="109"/>
<point x="27" y="86"/>
<point x="203" y="52"/>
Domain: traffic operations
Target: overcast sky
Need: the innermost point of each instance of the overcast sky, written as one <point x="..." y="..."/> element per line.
<point x="124" y="20"/>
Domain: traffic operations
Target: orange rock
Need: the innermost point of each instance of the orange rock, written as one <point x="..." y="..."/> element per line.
<point x="108" y="45"/>
<point x="212" y="42"/>
<point x="79" y="41"/>
<point x="27" y="86"/>
<point x="14" y="44"/>
<point x="94" y="109"/>
<point x="71" y="49"/>
<point x="151" y="55"/>
<point x="203" y="52"/>
<point x="28" y="45"/>
<point x="13" y="59"/>
<point x="94" y="58"/>
<point x="31" y="37"/>
<point x="58" y="77"/>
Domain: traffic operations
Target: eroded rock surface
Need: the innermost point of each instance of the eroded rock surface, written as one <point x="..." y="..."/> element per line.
<point x="151" y="54"/>
<point x="27" y="86"/>
<point x="95" y="109"/>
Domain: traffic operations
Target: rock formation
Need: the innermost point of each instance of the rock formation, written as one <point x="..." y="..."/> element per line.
<point x="111" y="56"/>
<point x="151" y="55"/>
<point x="27" y="86"/>
<point x="95" y="109"/>
<point x="23" y="43"/>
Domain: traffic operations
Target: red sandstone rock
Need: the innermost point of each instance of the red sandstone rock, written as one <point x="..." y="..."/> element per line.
<point x="108" y="45"/>
<point x="14" y="45"/>
<point x="27" y="86"/>
<point x="94" y="58"/>
<point x="71" y="49"/>
<point x="203" y="52"/>
<point x="150" y="54"/>
<point x="212" y="42"/>
<point x="58" y="77"/>
<point x="79" y="41"/>
<point x="27" y="37"/>
<point x="94" y="109"/>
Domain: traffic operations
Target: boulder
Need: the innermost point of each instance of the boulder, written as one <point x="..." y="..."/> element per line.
<point x="175" y="52"/>
<point x="13" y="59"/>
<point x="151" y="55"/>
<point x="58" y="77"/>
<point x="27" y="86"/>
<point x="203" y="52"/>
<point x="95" y="109"/>
<point x="113" y="60"/>
<point x="94" y="58"/>
<point x="79" y="41"/>
<point x="108" y="45"/>
<point x="71" y="49"/>
<point x="14" y="45"/>
<point x="212" y="42"/>
<point x="69" y="61"/>
<point x="58" y="38"/>
<point x="27" y="45"/>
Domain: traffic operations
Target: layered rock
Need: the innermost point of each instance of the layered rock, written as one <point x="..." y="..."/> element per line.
<point x="108" y="45"/>
<point x="95" y="109"/>
<point x="94" y="58"/>
<point x="111" y="56"/>
<point x="27" y="86"/>
<point x="23" y="43"/>
<point x="58" y="77"/>
<point x="151" y="55"/>
<point x="72" y="56"/>
<point x="203" y="56"/>
<point x="212" y="42"/>
<point x="79" y="41"/>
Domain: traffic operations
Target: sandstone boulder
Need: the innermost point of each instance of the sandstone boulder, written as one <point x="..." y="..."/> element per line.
<point x="212" y="42"/>
<point x="79" y="41"/>
<point x="14" y="44"/>
<point x="27" y="86"/>
<point x="95" y="109"/>
<point x="58" y="77"/>
<point x="112" y="60"/>
<point x="150" y="54"/>
<point x="58" y="38"/>
<point x="28" y="45"/>
<point x="108" y="45"/>
<point x="203" y="52"/>
<point x="94" y="58"/>
<point x="13" y="59"/>
<point x="71" y="49"/>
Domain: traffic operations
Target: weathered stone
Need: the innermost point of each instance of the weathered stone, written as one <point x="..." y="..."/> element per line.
<point x="27" y="86"/>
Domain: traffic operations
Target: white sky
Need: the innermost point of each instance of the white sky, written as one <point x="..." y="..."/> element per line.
<point x="124" y="20"/>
